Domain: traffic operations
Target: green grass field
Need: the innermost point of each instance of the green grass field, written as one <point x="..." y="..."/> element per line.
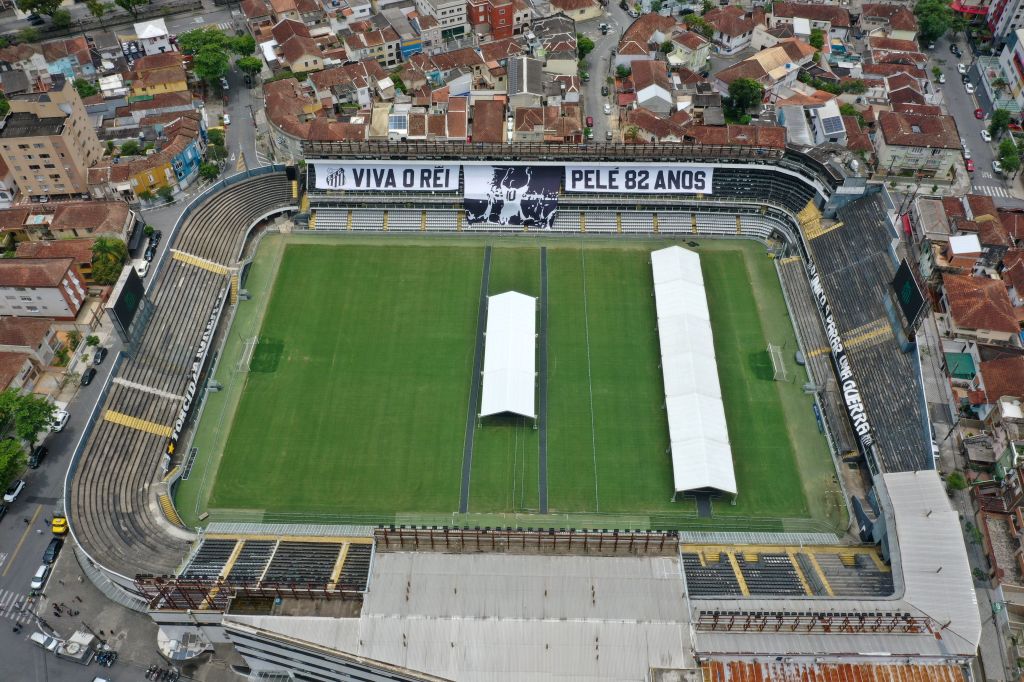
<point x="356" y="399"/>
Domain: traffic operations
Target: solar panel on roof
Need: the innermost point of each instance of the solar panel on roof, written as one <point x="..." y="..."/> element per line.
<point x="833" y="124"/>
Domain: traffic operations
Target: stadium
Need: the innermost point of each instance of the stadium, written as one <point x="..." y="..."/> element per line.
<point x="331" y="407"/>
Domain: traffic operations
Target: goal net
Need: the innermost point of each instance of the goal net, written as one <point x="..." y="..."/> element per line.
<point x="778" y="366"/>
<point x="247" y="350"/>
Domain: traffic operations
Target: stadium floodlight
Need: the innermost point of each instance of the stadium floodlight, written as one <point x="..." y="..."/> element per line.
<point x="775" y="353"/>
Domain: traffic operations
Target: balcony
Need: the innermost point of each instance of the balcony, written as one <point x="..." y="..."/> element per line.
<point x="991" y="71"/>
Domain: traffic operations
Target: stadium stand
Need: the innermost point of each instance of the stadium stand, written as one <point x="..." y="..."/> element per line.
<point x="212" y="556"/>
<point x="711" y="576"/>
<point x="252" y="560"/>
<point x="110" y="496"/>
<point x="769" y="574"/>
<point x="856" y="265"/>
<point x="303" y="562"/>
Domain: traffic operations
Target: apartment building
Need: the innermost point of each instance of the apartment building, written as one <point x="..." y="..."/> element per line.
<point x="48" y="143"/>
<point x="45" y="287"/>
<point x="450" y="14"/>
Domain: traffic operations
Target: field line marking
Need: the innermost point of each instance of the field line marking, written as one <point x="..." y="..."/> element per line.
<point x="474" y="390"/>
<point x="590" y="378"/>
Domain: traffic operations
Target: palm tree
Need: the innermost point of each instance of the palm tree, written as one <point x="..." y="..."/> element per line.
<point x="998" y="84"/>
<point x="110" y="250"/>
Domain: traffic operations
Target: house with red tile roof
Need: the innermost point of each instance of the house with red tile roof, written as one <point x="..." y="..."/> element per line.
<point x="45" y="287"/>
<point x="35" y="336"/>
<point x="488" y="121"/>
<point x="917" y="143"/>
<point x="1013" y="275"/>
<point x="832" y="20"/>
<point x="979" y="308"/>
<point x="895" y="21"/>
<point x="733" y="27"/>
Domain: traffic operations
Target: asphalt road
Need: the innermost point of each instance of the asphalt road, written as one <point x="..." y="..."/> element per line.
<point x="961" y="106"/>
<point x="599" y="65"/>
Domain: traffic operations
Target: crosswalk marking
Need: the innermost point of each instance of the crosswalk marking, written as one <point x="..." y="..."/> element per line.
<point x="11" y="604"/>
<point x="225" y="26"/>
<point x="992" y="190"/>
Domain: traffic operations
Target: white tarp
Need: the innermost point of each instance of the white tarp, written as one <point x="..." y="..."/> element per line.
<point x="510" y="355"/>
<point x="701" y="455"/>
<point x="674" y="178"/>
<point x="382" y="177"/>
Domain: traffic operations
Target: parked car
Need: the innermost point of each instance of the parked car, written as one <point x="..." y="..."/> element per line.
<point x="590" y="121"/>
<point x="60" y="420"/>
<point x="52" y="550"/>
<point x="87" y="376"/>
<point x="961" y="69"/>
<point x="604" y="91"/>
<point x="979" y="113"/>
<point x="59" y="526"/>
<point x="224" y="83"/>
<point x="227" y="119"/>
<point x="985" y="135"/>
<point x="100" y="355"/>
<point x="608" y="135"/>
<point x="150" y="253"/>
<point x="14" y="490"/>
<point x="39" y="579"/>
<point x="141" y="267"/>
<point x="969" y="165"/>
<point x="156" y="237"/>
<point x="997" y="167"/>
<point x="942" y="79"/>
<point x="965" y="79"/>
<point x="39" y="453"/>
<point x="969" y="88"/>
<point x="45" y="641"/>
<point x="955" y="49"/>
<point x="607" y="108"/>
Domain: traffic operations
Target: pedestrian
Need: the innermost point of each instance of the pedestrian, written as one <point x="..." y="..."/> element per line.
<point x="78" y="599"/>
<point x="26" y="521"/>
<point x="60" y="581"/>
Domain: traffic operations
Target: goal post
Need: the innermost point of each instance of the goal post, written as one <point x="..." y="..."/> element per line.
<point x="248" y="348"/>
<point x="778" y="365"/>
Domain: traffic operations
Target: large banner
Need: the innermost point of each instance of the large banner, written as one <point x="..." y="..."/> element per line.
<point x="653" y="179"/>
<point x="855" y="411"/>
<point x="387" y="178"/>
<point x="194" y="374"/>
<point x="521" y="196"/>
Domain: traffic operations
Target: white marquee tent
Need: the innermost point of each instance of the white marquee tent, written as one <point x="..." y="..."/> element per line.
<point x="701" y="455"/>
<point x="510" y="355"/>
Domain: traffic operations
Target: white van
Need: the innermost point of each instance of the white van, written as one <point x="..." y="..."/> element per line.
<point x="45" y="641"/>
<point x="141" y="267"/>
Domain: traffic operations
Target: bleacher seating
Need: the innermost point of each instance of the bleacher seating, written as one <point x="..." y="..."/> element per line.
<point x="710" y="579"/>
<point x="862" y="579"/>
<point x="405" y="220"/>
<point x="304" y="563"/>
<point x="252" y="560"/>
<point x="367" y="219"/>
<point x="209" y="560"/>
<point x="355" y="572"/>
<point x="771" y="574"/>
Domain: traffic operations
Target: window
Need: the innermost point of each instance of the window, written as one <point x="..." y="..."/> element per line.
<point x="26" y="298"/>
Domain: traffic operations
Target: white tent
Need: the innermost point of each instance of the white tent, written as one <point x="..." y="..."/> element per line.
<point x="701" y="455"/>
<point x="510" y="355"/>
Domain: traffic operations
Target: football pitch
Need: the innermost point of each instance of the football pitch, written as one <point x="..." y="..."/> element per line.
<point x="353" y="404"/>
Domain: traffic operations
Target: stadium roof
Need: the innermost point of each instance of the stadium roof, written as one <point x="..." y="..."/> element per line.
<point x="701" y="455"/>
<point x="509" y="358"/>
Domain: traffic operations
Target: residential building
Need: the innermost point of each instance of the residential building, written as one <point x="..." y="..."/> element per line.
<point x="79" y="250"/>
<point x="450" y="14"/>
<point x="488" y="121"/>
<point x="290" y="111"/>
<point x="644" y="125"/>
<point x="308" y="12"/>
<point x="924" y="144"/>
<point x="653" y="86"/>
<point x="158" y="74"/>
<point x="70" y="58"/>
<point x="773" y="68"/>
<point x="733" y="27"/>
<point x="29" y="60"/>
<point x="1010" y="68"/>
<point x="49" y="143"/>
<point x="979" y="308"/>
<point x="690" y="50"/>
<point x="555" y="43"/>
<point x="827" y="124"/>
<point x="17" y="371"/>
<point x="895" y="21"/>
<point x="152" y="35"/>
<point x="501" y="18"/>
<point x="296" y="50"/>
<point x="48" y="287"/>
<point x="525" y="82"/>
<point x="357" y="85"/>
<point x="643" y="38"/>
<point x="832" y="20"/>
<point x="8" y="185"/>
<point x="383" y="45"/>
<point x="258" y="15"/>
<point x="578" y="10"/>
<point x="34" y="336"/>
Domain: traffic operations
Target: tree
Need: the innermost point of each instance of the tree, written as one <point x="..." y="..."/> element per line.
<point x="632" y="133"/>
<point x="28" y="413"/>
<point x="215" y="137"/>
<point x="47" y="7"/>
<point x="92" y="340"/>
<point x="706" y="6"/>
<point x="745" y="93"/>
<point x="74" y="338"/>
<point x="12" y="461"/>
<point x="622" y="71"/>
<point x="935" y="18"/>
<point x="108" y="255"/>
<point x="131" y="6"/>
<point x="998" y="84"/>
<point x="192" y="42"/>
<point x="244" y="45"/>
<point x="699" y="25"/>
<point x="216" y="152"/>
<point x="956" y="481"/>
<point x="208" y="171"/>
<point x="28" y="35"/>
<point x="936" y="72"/>
<point x="98" y="9"/>
<point x="61" y="18"/>
<point x="584" y="46"/>
<point x="253" y="65"/>
<point x="1000" y="122"/>
<point x="85" y="88"/>
<point x="1009" y="156"/>
<point x="847" y="109"/>
<point x="130" y="148"/>
<point x="210" y="64"/>
<point x="656" y="6"/>
<point x="817" y="39"/>
<point x="145" y="195"/>
<point x="667" y="46"/>
<point x="5" y="106"/>
<point x="166" y="193"/>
